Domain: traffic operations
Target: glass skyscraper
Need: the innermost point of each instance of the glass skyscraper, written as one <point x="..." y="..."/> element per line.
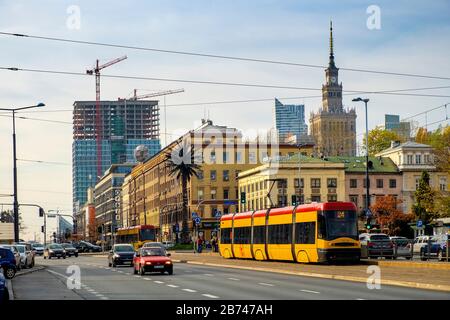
<point x="125" y="124"/>
<point x="290" y="120"/>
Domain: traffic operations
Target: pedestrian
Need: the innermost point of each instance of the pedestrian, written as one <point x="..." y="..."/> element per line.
<point x="199" y="245"/>
<point x="214" y="244"/>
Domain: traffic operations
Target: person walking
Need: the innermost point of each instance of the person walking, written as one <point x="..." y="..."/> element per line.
<point x="199" y="245"/>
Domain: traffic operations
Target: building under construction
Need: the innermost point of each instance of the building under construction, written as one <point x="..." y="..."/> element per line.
<point x="123" y="125"/>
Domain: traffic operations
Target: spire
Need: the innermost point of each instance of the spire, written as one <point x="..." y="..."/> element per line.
<point x="331" y="45"/>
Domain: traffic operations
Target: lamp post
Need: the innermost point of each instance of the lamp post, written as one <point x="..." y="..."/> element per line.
<point x="16" y="203"/>
<point x="367" y="153"/>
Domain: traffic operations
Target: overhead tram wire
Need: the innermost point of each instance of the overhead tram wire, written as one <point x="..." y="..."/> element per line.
<point x="207" y="55"/>
<point x="212" y="82"/>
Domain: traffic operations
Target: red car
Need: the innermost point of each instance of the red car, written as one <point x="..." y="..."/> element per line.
<point x="152" y="260"/>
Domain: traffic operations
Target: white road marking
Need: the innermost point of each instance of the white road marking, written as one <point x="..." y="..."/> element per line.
<point x="147" y="279"/>
<point x="158" y="281"/>
<point x="310" y="291"/>
<point x="360" y="299"/>
<point x="104" y="298"/>
<point x="188" y="271"/>
<point x="209" y="274"/>
<point x="137" y="276"/>
<point x="266" y="284"/>
<point x="172" y="286"/>
<point x="234" y="279"/>
<point x="210" y="296"/>
<point x="189" y="290"/>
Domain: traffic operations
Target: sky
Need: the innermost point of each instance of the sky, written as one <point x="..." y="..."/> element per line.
<point x="413" y="37"/>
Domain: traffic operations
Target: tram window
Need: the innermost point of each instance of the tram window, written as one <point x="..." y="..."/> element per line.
<point x="280" y="234"/>
<point x="259" y="234"/>
<point x="242" y="235"/>
<point x="225" y="235"/>
<point x="305" y="232"/>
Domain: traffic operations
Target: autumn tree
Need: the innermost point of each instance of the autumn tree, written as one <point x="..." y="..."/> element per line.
<point x="380" y="139"/>
<point x="388" y="215"/>
<point x="424" y="208"/>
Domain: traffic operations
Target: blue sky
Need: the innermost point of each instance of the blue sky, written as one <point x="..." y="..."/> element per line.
<point x="414" y="38"/>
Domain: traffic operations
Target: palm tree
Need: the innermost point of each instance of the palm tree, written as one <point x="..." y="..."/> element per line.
<point x="180" y="162"/>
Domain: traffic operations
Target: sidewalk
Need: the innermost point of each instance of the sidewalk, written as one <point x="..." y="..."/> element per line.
<point x="392" y="273"/>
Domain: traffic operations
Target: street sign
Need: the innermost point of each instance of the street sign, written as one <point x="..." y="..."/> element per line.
<point x="368" y="213"/>
<point x="218" y="214"/>
<point x="197" y="220"/>
<point x="419" y="223"/>
<point x="229" y="202"/>
<point x="194" y="214"/>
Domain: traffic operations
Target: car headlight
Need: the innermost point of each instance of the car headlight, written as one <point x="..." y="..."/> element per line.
<point x="168" y="262"/>
<point x="148" y="263"/>
<point x="116" y="255"/>
<point x="50" y="251"/>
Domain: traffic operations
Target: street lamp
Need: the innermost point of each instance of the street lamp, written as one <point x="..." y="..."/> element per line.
<point x="16" y="203"/>
<point x="367" y="153"/>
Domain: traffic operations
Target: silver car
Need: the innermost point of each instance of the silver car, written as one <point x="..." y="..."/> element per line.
<point x="155" y="245"/>
<point x="26" y="256"/>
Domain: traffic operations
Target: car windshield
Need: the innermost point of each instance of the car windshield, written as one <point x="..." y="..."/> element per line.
<point x="148" y="234"/>
<point x="37" y="245"/>
<point x="55" y="246"/>
<point x="124" y="248"/>
<point x="335" y="224"/>
<point x="379" y="237"/>
<point x="67" y="246"/>
<point x="21" y="249"/>
<point x="153" y="245"/>
<point x="152" y="252"/>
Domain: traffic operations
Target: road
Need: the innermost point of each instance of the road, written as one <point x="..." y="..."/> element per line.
<point x="193" y="282"/>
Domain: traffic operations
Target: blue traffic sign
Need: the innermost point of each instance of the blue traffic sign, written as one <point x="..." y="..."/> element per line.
<point x="194" y="214"/>
<point x="419" y="223"/>
<point x="197" y="220"/>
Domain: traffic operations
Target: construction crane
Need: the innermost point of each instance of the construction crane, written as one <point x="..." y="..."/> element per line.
<point x="98" y="116"/>
<point x="156" y="94"/>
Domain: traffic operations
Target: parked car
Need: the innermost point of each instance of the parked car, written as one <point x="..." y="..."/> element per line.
<point x="37" y="248"/>
<point x="70" y="249"/>
<point x="16" y="253"/>
<point x="420" y="242"/>
<point x="84" y="246"/>
<point x="4" y="294"/>
<point x="152" y="259"/>
<point x="54" y="250"/>
<point x="402" y="247"/>
<point x="168" y="244"/>
<point x="436" y="247"/>
<point x="26" y="256"/>
<point x="376" y="245"/>
<point x="121" y="254"/>
<point x="8" y="262"/>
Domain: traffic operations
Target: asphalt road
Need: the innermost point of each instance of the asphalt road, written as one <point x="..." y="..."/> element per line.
<point x="193" y="282"/>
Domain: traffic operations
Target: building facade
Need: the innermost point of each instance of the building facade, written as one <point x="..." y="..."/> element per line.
<point x="85" y="227"/>
<point x="290" y="120"/>
<point x="150" y="195"/>
<point x="412" y="159"/>
<point x="296" y="180"/>
<point x="107" y="201"/>
<point x="333" y="127"/>
<point x="121" y="126"/>
<point x="402" y="128"/>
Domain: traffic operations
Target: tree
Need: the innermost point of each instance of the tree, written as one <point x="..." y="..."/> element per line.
<point x="380" y="139"/>
<point x="423" y="207"/>
<point x="181" y="164"/>
<point x="8" y="216"/>
<point x="388" y="215"/>
<point x="440" y="141"/>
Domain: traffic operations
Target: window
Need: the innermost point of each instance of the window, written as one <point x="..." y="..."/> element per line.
<point x="392" y="183"/>
<point x="259" y="234"/>
<point x="225" y="194"/>
<point x="354" y="199"/>
<point x="226" y="175"/>
<point x="280" y="234"/>
<point x="409" y="159"/>
<point x="213" y="194"/>
<point x="213" y="175"/>
<point x="315" y="183"/>
<point x="299" y="183"/>
<point x="225" y="235"/>
<point x="379" y="183"/>
<point x="418" y="158"/>
<point x="282" y="184"/>
<point x="200" y="194"/>
<point x="200" y="174"/>
<point x="417" y="182"/>
<point x="252" y="157"/>
<point x="331" y="182"/>
<point x="364" y="183"/>
<point x="238" y="157"/>
<point x="225" y="157"/>
<point x="442" y="183"/>
<point x="353" y="183"/>
<point x="213" y="157"/>
<point x="242" y="235"/>
<point x="315" y="198"/>
<point x="282" y="200"/>
<point x="305" y="232"/>
<point x="332" y="198"/>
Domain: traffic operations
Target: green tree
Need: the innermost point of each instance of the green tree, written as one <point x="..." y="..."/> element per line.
<point x="380" y="139"/>
<point x="8" y="216"/>
<point x="181" y="164"/>
<point x="423" y="207"/>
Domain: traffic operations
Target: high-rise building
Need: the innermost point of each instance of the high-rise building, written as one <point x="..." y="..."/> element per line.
<point x="125" y="124"/>
<point x="290" y="120"/>
<point x="333" y="127"/>
<point x="402" y="128"/>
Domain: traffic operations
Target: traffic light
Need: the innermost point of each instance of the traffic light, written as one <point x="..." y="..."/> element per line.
<point x="41" y="212"/>
<point x="243" y="200"/>
<point x="42" y="229"/>
<point x="294" y="200"/>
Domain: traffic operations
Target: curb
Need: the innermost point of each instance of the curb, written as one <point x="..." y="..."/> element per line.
<point x="409" y="264"/>
<point x="38" y="268"/>
<point x="10" y="290"/>
<point x="334" y="277"/>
